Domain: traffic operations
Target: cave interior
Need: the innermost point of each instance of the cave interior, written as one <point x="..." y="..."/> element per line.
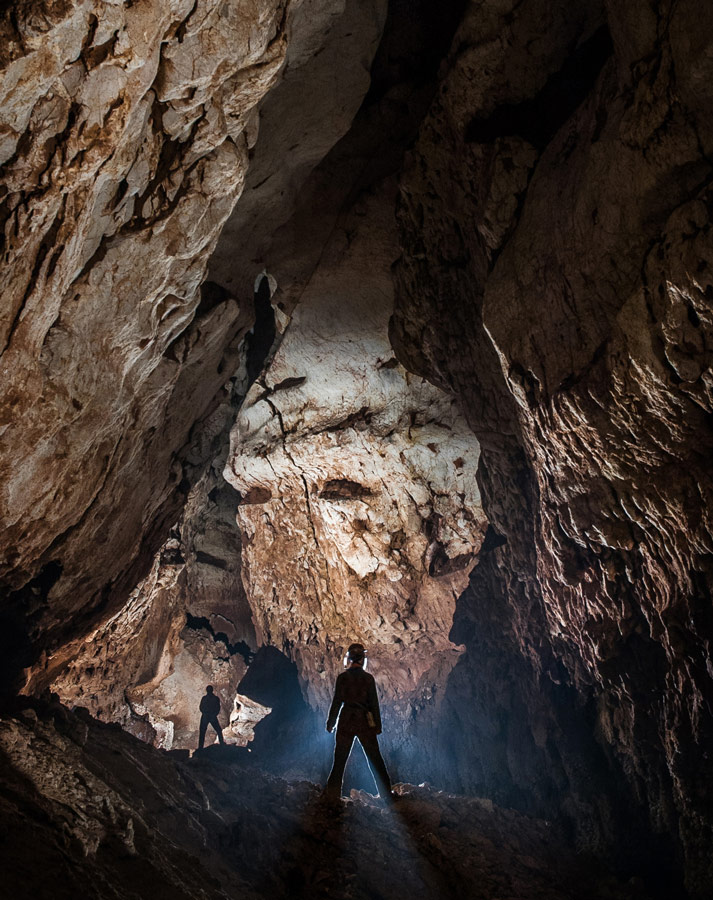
<point x="356" y="320"/>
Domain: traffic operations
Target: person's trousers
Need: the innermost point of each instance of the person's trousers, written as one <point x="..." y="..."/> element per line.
<point x="342" y="749"/>
<point x="205" y="722"/>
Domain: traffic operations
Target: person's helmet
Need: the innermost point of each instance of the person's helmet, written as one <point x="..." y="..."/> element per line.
<point x="355" y="654"/>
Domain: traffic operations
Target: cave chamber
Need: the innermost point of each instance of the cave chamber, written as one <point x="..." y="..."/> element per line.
<point x="375" y="320"/>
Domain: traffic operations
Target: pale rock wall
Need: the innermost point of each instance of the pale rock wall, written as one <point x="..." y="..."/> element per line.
<point x="360" y="513"/>
<point x="186" y="625"/>
<point x="134" y="647"/>
<point x="198" y="88"/>
<point x="126" y="130"/>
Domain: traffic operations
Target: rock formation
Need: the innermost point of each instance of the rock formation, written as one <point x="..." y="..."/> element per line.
<point x="471" y="426"/>
<point x="360" y="513"/>
<point x="187" y="624"/>
<point x="126" y="131"/>
<point x="560" y="214"/>
<point x="91" y="811"/>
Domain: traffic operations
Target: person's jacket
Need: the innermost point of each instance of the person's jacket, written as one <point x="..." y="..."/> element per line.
<point x="210" y="705"/>
<point x="355" y="696"/>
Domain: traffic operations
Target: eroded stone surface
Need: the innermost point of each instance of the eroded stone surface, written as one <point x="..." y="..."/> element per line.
<point x="108" y="816"/>
<point x="330" y="52"/>
<point x="185" y="626"/>
<point x="557" y="267"/>
<point x="360" y="513"/>
<point x="127" y="132"/>
<point x="554" y="218"/>
<point x="125" y="138"/>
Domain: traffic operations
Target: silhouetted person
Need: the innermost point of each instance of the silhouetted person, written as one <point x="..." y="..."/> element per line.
<point x="209" y="707"/>
<point x="355" y="695"/>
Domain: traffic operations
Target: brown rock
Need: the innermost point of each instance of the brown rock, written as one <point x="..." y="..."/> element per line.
<point x="125" y="143"/>
<point x="362" y="516"/>
<point x="94" y="811"/>
<point x="570" y="252"/>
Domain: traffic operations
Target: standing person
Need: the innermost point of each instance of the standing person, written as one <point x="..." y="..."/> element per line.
<point x="209" y="707"/>
<point x="355" y="696"/>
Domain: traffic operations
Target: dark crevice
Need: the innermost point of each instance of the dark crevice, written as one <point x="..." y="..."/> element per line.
<point x="538" y="119"/>
<point x="209" y="560"/>
<point x="16" y="632"/>
<point x="287" y="383"/>
<point x="413" y="23"/>
<point x="285" y="738"/>
<point x="93" y="25"/>
<point x="693" y="317"/>
<point x="212" y="295"/>
<point x="260" y="340"/>
<point x="344" y="489"/>
<point x="119" y="196"/>
<point x="94" y="259"/>
<point x="359" y="420"/>
<point x="95" y="56"/>
<point x="183" y="27"/>
<point x="256" y="495"/>
<point x="169" y="163"/>
<point x="201" y="623"/>
<point x="492" y="541"/>
<point x="442" y="564"/>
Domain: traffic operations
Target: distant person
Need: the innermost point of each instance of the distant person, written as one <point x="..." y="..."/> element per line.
<point x="209" y="707"/>
<point x="355" y="695"/>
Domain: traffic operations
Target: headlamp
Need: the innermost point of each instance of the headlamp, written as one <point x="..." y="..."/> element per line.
<point x="355" y="654"/>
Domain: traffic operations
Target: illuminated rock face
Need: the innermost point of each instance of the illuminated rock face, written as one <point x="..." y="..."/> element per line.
<point x="552" y="329"/>
<point x="360" y="513"/>
<point x="185" y="626"/>
<point x="245" y="715"/>
<point x="124" y="142"/>
<point x="557" y="275"/>
<point x="126" y="134"/>
<point x="140" y="353"/>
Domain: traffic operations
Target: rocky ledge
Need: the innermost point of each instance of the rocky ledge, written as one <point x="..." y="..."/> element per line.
<point x="89" y="810"/>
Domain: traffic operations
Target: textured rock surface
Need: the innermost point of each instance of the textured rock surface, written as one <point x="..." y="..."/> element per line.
<point x="554" y="291"/>
<point x="557" y="276"/>
<point x="360" y="512"/>
<point x="108" y="816"/>
<point x="125" y="139"/>
<point x="186" y="625"/>
<point x="330" y="53"/>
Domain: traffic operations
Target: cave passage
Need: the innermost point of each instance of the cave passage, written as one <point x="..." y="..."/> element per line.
<point x="356" y="320"/>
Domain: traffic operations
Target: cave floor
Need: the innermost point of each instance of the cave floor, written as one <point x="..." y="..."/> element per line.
<point x="88" y="811"/>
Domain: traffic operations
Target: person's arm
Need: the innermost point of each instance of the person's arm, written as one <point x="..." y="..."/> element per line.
<point x="336" y="706"/>
<point x="373" y="704"/>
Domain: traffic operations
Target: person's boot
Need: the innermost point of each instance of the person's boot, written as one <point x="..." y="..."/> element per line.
<point x="332" y="794"/>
